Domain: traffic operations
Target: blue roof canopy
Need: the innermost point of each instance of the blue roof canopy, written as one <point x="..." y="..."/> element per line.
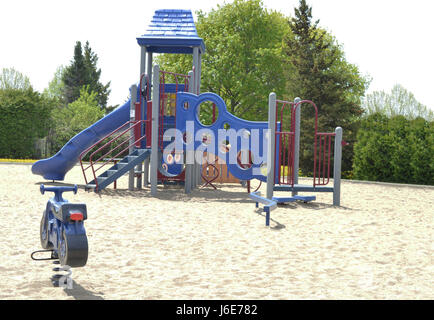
<point x="171" y="31"/>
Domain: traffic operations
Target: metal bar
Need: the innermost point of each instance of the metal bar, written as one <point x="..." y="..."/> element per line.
<point x="337" y="168"/>
<point x="133" y="92"/>
<point x="319" y="161"/>
<point x="279" y="165"/>
<point x="293" y="169"/>
<point x="90" y="157"/>
<point x="100" y="148"/>
<point x="155" y="122"/>
<point x="271" y="155"/>
<point x="106" y="136"/>
<point x="189" y="157"/>
<point x="196" y="69"/>
<point x="296" y="115"/>
<point x="328" y="166"/>
<point x="324" y="160"/>
<point x="118" y="154"/>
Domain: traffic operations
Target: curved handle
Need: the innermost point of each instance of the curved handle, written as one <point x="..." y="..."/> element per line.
<point x="58" y="190"/>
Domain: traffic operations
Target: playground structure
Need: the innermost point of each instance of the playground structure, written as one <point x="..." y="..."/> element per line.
<point x="136" y="132"/>
<point x="284" y="150"/>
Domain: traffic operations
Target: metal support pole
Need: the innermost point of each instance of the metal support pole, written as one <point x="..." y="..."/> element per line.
<point x="149" y="73"/>
<point x="199" y="172"/>
<point x="149" y="66"/>
<point x="271" y="152"/>
<point x="196" y="65"/>
<point x="199" y="73"/>
<point x="189" y="154"/>
<point x="133" y="92"/>
<point x="155" y="120"/>
<point x="196" y="69"/>
<point x="296" y="144"/>
<point x="337" y="167"/>
<point x="139" y="167"/>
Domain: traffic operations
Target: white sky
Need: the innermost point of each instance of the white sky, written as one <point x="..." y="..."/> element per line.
<point x="391" y="40"/>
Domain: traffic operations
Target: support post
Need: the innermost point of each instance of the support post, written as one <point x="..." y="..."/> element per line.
<point x="149" y="66"/>
<point x="199" y="168"/>
<point x="189" y="153"/>
<point x="199" y="73"/>
<point x="196" y="69"/>
<point x="271" y="151"/>
<point x="155" y="121"/>
<point x="133" y="92"/>
<point x="196" y="64"/>
<point x="296" y="144"/>
<point x="139" y="167"/>
<point x="337" y="167"/>
<point x="149" y="73"/>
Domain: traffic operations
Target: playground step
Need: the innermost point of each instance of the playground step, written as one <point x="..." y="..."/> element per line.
<point x="128" y="159"/>
<point x="302" y="188"/>
<point x="101" y="179"/>
<point x="89" y="186"/>
<point x="110" y="172"/>
<point x="119" y="169"/>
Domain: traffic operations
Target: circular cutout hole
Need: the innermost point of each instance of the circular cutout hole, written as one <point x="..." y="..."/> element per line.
<point x="186" y="105"/>
<point x="226" y="126"/>
<point x="245" y="159"/>
<point x="206" y="139"/>
<point x="225" y="146"/>
<point x="208" y="113"/>
<point x="169" y="159"/>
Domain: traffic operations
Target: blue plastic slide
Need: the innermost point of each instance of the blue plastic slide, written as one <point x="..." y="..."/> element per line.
<point x="57" y="166"/>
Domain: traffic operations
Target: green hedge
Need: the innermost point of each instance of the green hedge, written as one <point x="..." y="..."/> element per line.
<point x="395" y="150"/>
<point x="24" y="117"/>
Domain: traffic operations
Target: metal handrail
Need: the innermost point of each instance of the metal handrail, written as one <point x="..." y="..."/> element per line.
<point x="325" y="151"/>
<point x="92" y="162"/>
<point x="322" y="148"/>
<point x="106" y="136"/>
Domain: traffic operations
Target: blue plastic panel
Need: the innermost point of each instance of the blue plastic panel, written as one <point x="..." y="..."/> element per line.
<point x="249" y="134"/>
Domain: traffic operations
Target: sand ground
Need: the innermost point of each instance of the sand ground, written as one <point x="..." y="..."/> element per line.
<point x="214" y="245"/>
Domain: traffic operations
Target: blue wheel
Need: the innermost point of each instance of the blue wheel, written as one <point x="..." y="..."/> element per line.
<point x="44" y="232"/>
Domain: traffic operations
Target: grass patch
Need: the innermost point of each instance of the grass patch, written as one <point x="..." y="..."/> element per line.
<point x="18" y="160"/>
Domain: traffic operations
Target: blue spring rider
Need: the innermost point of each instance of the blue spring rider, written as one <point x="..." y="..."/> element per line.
<point x="62" y="229"/>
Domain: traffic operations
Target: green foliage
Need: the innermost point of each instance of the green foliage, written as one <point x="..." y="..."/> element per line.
<point x="83" y="72"/>
<point x="24" y="117"/>
<point x="398" y="102"/>
<point x="13" y="79"/>
<point x="243" y="62"/>
<point x="56" y="86"/>
<point x="394" y="150"/>
<point x="318" y="71"/>
<point x="77" y="116"/>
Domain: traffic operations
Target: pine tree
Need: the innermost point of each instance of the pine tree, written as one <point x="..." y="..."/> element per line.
<point x="74" y="76"/>
<point x="81" y="72"/>
<point x="320" y="72"/>
<point x="93" y="76"/>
